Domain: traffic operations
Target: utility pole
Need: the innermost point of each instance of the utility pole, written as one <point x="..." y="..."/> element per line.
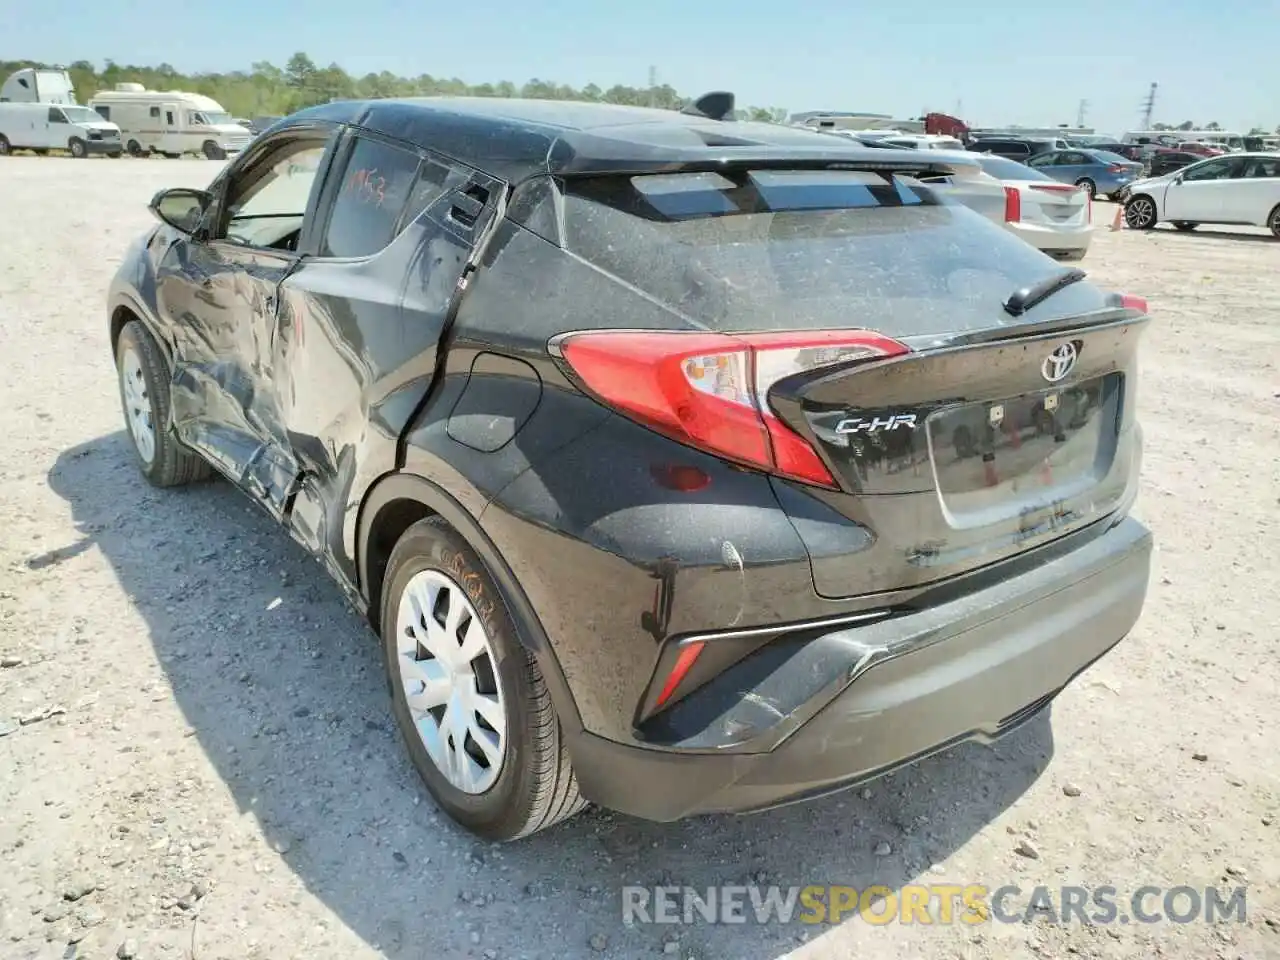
<point x="1084" y="106"/>
<point x="1149" y="108"/>
<point x="653" y="84"/>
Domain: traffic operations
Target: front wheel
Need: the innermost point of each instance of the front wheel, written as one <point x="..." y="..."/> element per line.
<point x="134" y="148"/>
<point x="1088" y="186"/>
<point x="468" y="697"/>
<point x="5" y="148"/>
<point x="1140" y="213"/>
<point x="144" y="395"/>
<point x="77" y="148"/>
<point x="1273" y="221"/>
<point x="213" y="152"/>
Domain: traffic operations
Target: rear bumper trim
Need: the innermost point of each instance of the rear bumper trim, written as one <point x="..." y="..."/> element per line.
<point x="969" y="669"/>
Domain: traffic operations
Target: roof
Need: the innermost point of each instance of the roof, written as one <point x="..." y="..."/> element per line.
<point x="514" y="139"/>
<point x="195" y="100"/>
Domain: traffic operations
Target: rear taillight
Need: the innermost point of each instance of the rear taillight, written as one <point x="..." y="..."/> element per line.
<point x="1117" y="168"/>
<point x="710" y="390"/>
<point x="1012" y="205"/>
<point x="1131" y="302"/>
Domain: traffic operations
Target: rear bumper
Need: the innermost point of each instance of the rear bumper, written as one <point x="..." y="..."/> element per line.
<point x="1051" y="238"/>
<point x="970" y="669"/>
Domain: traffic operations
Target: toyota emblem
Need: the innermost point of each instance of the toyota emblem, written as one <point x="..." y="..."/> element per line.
<point x="1059" y="363"/>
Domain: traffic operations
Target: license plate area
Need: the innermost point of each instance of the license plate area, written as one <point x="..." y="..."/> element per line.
<point x="1001" y="458"/>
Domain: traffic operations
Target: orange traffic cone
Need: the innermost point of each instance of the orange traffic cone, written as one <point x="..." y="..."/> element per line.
<point x="1118" y="222"/>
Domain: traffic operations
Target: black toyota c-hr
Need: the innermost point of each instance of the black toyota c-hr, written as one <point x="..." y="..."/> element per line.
<point x="683" y="465"/>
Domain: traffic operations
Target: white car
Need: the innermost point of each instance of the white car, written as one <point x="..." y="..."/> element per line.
<point x="1239" y="189"/>
<point x="1054" y="217"/>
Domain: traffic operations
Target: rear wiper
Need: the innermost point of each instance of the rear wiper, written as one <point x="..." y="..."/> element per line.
<point x="1020" y="301"/>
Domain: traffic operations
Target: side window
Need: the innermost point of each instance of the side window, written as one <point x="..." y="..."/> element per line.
<point x="1214" y="170"/>
<point x="1043" y="160"/>
<point x="154" y="112"/>
<point x="168" y="117"/>
<point x="267" y="200"/>
<point x="104" y="112"/>
<point x="374" y="188"/>
<point x="1263" y="167"/>
<point x="55" y="116"/>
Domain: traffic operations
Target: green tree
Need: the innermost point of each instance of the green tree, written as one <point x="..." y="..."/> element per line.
<point x="269" y="90"/>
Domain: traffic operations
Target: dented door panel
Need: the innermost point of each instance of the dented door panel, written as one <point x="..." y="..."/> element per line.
<point x="356" y="352"/>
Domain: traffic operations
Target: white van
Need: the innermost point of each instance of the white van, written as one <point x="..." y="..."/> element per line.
<point x="55" y="126"/>
<point x="170" y="122"/>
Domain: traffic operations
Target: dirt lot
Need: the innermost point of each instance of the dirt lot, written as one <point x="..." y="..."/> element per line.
<point x="196" y="756"/>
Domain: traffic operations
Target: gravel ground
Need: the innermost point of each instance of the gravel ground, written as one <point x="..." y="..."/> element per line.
<point x="197" y="759"/>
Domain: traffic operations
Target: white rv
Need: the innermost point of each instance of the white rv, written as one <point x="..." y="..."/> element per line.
<point x="170" y="122"/>
<point x="38" y="112"/>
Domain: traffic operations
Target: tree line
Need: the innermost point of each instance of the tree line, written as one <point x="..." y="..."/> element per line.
<point x="265" y="90"/>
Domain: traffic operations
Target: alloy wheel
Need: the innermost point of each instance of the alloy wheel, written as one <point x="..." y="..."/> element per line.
<point x="1140" y="213"/>
<point x="449" y="674"/>
<point x="137" y="403"/>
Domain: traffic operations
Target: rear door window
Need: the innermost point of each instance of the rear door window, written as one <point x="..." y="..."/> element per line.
<point x="763" y="250"/>
<point x="374" y="188"/>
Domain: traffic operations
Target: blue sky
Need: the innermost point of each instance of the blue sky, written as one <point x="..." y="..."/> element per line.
<point x="1001" y="61"/>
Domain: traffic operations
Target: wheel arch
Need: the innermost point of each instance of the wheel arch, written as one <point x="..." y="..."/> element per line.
<point x="124" y="309"/>
<point x="399" y="500"/>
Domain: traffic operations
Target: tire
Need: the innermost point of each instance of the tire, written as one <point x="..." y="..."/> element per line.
<point x="1273" y="221"/>
<point x="134" y="148"/>
<point x="5" y="148"/>
<point x="115" y="155"/>
<point x="166" y="462"/>
<point x="1184" y="226"/>
<point x="77" y="148"/>
<point x="531" y="784"/>
<point x="213" y="152"/>
<point x="1088" y="186"/>
<point x="1140" y="213"/>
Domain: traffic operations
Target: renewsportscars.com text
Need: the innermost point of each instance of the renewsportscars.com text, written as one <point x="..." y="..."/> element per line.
<point x="936" y="904"/>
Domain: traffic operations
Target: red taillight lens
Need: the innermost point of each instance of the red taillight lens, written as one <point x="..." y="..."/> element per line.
<point x="1117" y="168"/>
<point x="1012" y="205"/>
<point x="1131" y="302"/>
<point x="709" y="390"/>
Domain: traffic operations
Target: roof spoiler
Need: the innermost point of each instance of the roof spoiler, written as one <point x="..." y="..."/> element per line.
<point x="716" y="105"/>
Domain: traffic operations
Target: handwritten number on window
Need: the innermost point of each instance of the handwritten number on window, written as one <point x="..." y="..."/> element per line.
<point x="368" y="186"/>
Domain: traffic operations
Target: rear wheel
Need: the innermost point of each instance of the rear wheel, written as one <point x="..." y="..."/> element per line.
<point x="1088" y="186"/>
<point x="144" y="395"/>
<point x="1273" y="221"/>
<point x="77" y="148"/>
<point x="1140" y="213"/>
<point x="213" y="152"/>
<point x="134" y="148"/>
<point x="1184" y="225"/>
<point x="468" y="697"/>
<point x="5" y="148"/>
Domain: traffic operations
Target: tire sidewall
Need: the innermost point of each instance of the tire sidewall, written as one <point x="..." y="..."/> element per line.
<point x="77" y="148"/>
<point x="501" y="810"/>
<point x="132" y="337"/>
<point x="5" y="148"/>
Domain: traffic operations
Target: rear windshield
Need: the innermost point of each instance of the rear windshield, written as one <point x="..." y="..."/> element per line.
<point x="805" y="249"/>
<point x="1004" y="169"/>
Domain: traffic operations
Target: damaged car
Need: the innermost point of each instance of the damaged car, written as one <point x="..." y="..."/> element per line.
<point x="682" y="465"/>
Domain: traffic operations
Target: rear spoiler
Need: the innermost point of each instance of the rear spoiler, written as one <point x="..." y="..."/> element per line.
<point x="677" y="160"/>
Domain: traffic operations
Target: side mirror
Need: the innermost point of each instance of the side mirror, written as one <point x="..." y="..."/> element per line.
<point x="180" y="207"/>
